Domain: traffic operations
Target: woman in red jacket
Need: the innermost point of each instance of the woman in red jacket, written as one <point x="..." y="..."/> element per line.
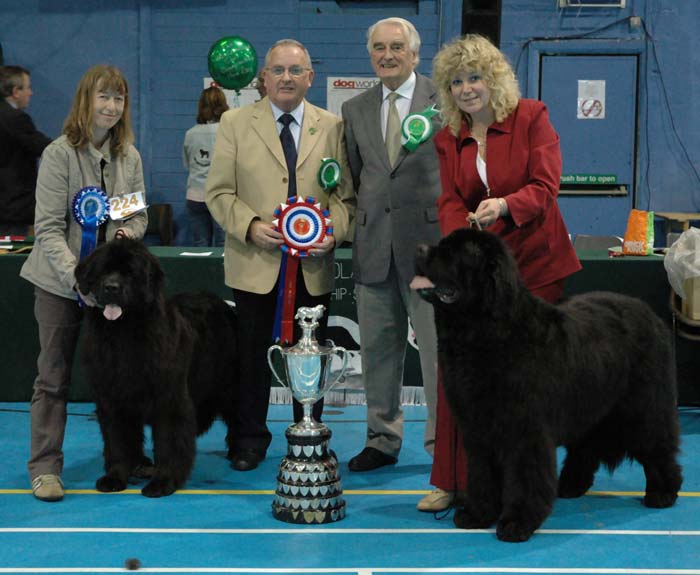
<point x="500" y="165"/>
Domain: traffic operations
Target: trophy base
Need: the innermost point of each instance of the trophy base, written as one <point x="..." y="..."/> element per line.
<point x="306" y="428"/>
<point x="283" y="513"/>
<point x="308" y="483"/>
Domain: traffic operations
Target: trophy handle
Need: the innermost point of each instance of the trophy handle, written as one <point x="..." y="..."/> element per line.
<point x="338" y="349"/>
<point x="270" y="351"/>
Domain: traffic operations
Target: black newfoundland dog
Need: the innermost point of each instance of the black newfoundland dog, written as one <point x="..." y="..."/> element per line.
<point x="170" y="364"/>
<point x="595" y="374"/>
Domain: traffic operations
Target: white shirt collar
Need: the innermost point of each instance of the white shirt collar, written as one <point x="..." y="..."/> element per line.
<point x="297" y="112"/>
<point x="405" y="90"/>
<point x="12" y="103"/>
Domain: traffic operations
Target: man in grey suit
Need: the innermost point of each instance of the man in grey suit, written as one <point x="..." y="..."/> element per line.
<point x="396" y="194"/>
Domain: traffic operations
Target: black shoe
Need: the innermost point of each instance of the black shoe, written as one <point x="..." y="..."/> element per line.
<point x="370" y="458"/>
<point x="246" y="459"/>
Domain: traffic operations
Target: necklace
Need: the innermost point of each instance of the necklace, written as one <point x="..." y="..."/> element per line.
<point x="479" y="138"/>
<point x="479" y="134"/>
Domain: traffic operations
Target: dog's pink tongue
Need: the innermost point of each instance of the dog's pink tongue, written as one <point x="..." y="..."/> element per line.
<point x="421" y="282"/>
<point x="112" y="312"/>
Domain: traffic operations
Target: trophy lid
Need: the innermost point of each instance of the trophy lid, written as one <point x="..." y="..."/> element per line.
<point x="308" y="322"/>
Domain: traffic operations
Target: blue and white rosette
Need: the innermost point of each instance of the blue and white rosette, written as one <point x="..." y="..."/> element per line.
<point x="90" y="209"/>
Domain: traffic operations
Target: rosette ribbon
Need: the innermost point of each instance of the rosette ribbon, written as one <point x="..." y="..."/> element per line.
<point x="417" y="128"/>
<point x="302" y="223"/>
<point x="329" y="174"/>
<point x="91" y="210"/>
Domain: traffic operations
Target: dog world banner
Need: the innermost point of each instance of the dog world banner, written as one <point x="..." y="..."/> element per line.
<point x="342" y="88"/>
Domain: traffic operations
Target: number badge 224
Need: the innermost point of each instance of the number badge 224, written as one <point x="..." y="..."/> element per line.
<point x="125" y="206"/>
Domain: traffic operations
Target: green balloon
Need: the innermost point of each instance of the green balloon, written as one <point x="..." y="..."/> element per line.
<point x="233" y="62"/>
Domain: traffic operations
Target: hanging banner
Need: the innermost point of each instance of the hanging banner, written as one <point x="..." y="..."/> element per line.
<point x="248" y="95"/>
<point x="342" y="88"/>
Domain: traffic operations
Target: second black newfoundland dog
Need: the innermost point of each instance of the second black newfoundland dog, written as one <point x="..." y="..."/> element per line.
<point x="595" y="374"/>
<point x="170" y="364"/>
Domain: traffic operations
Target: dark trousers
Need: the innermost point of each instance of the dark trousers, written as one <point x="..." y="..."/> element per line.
<point x="256" y="314"/>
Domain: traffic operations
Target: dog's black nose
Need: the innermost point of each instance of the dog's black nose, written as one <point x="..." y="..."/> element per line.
<point x="111" y="288"/>
<point x="422" y="250"/>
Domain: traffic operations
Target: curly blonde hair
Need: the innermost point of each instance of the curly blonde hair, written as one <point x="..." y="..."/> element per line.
<point x="78" y="124"/>
<point x="477" y="54"/>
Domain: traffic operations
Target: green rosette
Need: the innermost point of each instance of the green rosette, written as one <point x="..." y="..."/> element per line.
<point x="329" y="174"/>
<point x="417" y="128"/>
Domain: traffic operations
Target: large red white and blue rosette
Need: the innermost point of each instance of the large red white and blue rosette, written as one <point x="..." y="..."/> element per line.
<point x="90" y="207"/>
<point x="302" y="223"/>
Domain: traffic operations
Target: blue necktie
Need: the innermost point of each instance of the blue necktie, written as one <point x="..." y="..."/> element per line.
<point x="290" y="153"/>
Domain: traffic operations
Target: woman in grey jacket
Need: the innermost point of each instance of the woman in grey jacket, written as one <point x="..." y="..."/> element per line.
<point x="197" y="151"/>
<point x="95" y="150"/>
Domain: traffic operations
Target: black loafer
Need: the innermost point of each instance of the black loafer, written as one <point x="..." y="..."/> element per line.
<point x="370" y="458"/>
<point x="246" y="459"/>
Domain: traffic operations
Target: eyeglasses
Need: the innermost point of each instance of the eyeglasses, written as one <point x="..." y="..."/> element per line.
<point x="296" y="71"/>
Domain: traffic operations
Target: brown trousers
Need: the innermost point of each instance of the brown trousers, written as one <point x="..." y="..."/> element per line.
<point x="59" y="322"/>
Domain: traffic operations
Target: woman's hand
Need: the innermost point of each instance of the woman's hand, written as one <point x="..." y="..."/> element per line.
<point x="88" y="299"/>
<point x="490" y="210"/>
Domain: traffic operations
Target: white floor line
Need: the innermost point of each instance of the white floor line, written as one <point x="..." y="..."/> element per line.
<point x="306" y="531"/>
<point x="361" y="570"/>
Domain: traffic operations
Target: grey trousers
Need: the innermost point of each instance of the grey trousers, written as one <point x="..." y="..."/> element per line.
<point x="59" y="322"/>
<point x="383" y="310"/>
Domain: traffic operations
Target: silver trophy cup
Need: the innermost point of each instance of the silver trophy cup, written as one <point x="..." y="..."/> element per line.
<point x="308" y="483"/>
<point x="307" y="366"/>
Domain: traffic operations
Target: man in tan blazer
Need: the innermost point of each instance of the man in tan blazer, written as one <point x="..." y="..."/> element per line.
<point x="247" y="180"/>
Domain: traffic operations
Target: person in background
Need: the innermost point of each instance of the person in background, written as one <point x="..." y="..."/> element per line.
<point x="396" y="195"/>
<point x="197" y="150"/>
<point x="500" y="165"/>
<point x="21" y="144"/>
<point x="266" y="152"/>
<point x="95" y="150"/>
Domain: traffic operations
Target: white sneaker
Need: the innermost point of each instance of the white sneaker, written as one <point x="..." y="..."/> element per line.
<point x="47" y="487"/>
<point x="437" y="500"/>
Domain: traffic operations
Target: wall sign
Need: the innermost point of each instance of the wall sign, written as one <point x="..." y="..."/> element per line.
<point x="342" y="88"/>
<point x="583" y="179"/>
<point x="248" y="95"/>
<point x="591" y="100"/>
<point x="592" y="3"/>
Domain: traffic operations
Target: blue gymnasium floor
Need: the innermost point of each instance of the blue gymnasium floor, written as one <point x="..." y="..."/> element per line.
<point x="222" y="521"/>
